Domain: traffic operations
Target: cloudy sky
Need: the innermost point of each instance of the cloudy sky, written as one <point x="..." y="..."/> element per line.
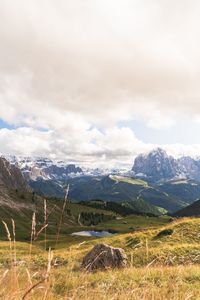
<point x="99" y="81"/>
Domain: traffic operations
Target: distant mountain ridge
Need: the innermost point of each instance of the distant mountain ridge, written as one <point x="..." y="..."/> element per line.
<point x="157" y="165"/>
<point x="157" y="179"/>
<point x="44" y="168"/>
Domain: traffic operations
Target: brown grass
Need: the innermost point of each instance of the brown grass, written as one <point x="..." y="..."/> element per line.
<point x="33" y="232"/>
<point x="45" y="223"/>
<point x="157" y="283"/>
<point x="42" y="277"/>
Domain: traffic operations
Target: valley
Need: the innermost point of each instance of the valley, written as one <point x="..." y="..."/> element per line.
<point x="45" y="234"/>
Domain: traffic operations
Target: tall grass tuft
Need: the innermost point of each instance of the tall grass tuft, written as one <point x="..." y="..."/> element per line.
<point x="14" y="241"/>
<point x="8" y="234"/>
<point x="44" y="279"/>
<point x="33" y="232"/>
<point x="62" y="214"/>
<point x="13" y="255"/>
<point x="45" y="223"/>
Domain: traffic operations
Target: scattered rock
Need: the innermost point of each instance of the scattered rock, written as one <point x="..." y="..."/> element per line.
<point x="132" y="228"/>
<point x="171" y="219"/>
<point x="165" y="232"/>
<point x="103" y="256"/>
<point x="20" y="263"/>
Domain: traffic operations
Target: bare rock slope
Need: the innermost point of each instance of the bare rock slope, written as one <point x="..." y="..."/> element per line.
<point x="11" y="177"/>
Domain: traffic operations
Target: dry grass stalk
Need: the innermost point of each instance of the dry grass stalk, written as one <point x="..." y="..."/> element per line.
<point x="45" y="223"/>
<point x="40" y="231"/>
<point x="53" y="209"/>
<point x="50" y="258"/>
<point x="29" y="276"/>
<point x="8" y="234"/>
<point x="79" y="220"/>
<point x="33" y="232"/>
<point x="45" y="279"/>
<point x="62" y="214"/>
<point x="13" y="274"/>
<point x="92" y="263"/>
<point x="147" y="250"/>
<point x="15" y="279"/>
<point x="4" y="275"/>
<point x="32" y="287"/>
<point x="14" y="241"/>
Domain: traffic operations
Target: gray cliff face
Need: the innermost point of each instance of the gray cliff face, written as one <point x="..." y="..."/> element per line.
<point x="46" y="169"/>
<point x="11" y="176"/>
<point x="157" y="165"/>
<point x="190" y="167"/>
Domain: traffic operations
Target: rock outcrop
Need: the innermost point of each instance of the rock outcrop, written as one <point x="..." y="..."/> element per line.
<point x="44" y="168"/>
<point x="11" y="176"/>
<point x="156" y="165"/>
<point x="103" y="256"/>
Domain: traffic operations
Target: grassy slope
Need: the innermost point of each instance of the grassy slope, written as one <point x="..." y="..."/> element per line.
<point x="115" y="189"/>
<point x="188" y="191"/>
<point x="172" y="195"/>
<point x="159" y="267"/>
<point x="143" y="246"/>
<point x="23" y="211"/>
<point x="129" y="180"/>
<point x="190" y="210"/>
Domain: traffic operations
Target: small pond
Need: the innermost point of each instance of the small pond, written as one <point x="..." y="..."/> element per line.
<point x="93" y="233"/>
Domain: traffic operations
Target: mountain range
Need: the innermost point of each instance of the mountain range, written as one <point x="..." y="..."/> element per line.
<point x="18" y="202"/>
<point x="158" y="166"/>
<point x="155" y="166"/>
<point x="44" y="168"/>
<point x="157" y="182"/>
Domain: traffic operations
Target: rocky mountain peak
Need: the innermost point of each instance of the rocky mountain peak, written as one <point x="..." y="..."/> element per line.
<point x="11" y="176"/>
<point x="157" y="165"/>
<point x="44" y="168"/>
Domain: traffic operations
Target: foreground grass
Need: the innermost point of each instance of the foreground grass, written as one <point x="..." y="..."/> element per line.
<point x="159" y="267"/>
<point x="131" y="283"/>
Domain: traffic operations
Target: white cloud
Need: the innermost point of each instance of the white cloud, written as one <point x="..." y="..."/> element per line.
<point x="91" y="147"/>
<point x="116" y="147"/>
<point x="68" y="66"/>
<point x="102" y="60"/>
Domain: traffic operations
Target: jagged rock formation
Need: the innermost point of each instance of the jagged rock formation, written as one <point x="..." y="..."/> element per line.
<point x="103" y="256"/>
<point x="190" y="167"/>
<point x="12" y="188"/>
<point x="11" y="176"/>
<point x="46" y="169"/>
<point x="157" y="165"/>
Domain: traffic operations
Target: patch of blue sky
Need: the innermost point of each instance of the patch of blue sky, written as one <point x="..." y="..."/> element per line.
<point x="183" y="132"/>
<point x="6" y="125"/>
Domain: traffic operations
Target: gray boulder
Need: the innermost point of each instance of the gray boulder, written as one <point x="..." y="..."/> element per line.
<point x="103" y="256"/>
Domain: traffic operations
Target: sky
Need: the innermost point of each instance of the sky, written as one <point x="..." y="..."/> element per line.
<point x="97" y="82"/>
